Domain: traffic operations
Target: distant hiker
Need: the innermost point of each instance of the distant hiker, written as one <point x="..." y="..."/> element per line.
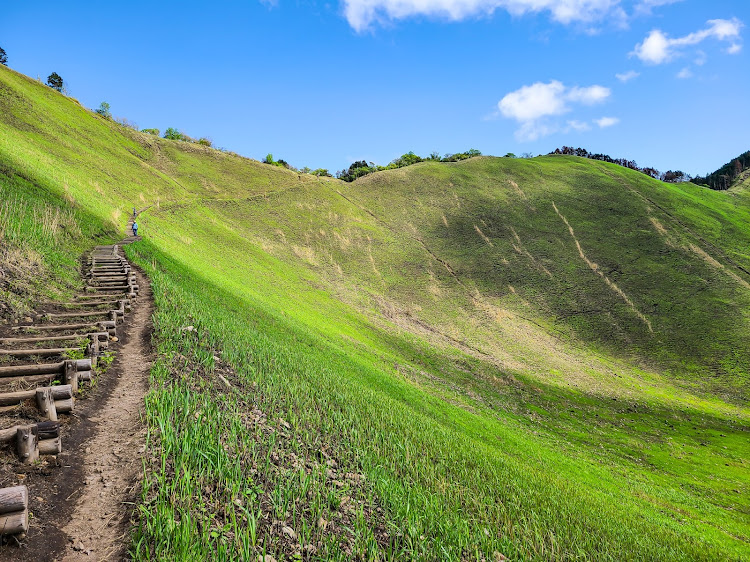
<point x="135" y="229"/>
<point x="134" y="213"/>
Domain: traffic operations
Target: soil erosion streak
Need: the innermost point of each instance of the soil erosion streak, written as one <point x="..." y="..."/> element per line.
<point x="98" y="528"/>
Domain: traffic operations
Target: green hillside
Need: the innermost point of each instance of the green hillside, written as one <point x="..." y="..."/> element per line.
<point x="544" y="358"/>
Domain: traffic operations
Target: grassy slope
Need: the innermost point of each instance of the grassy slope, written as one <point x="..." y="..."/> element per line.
<point x="495" y="391"/>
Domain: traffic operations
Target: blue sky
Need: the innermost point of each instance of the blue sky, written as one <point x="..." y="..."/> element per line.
<point x="322" y="84"/>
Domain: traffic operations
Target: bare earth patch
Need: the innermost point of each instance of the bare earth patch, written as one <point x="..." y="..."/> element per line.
<point x="98" y="527"/>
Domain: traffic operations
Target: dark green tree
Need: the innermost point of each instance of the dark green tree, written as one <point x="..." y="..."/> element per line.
<point x="3" y="57"/>
<point x="55" y="82"/>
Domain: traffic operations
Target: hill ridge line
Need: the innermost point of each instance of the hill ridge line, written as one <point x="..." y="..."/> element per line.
<point x="685" y="227"/>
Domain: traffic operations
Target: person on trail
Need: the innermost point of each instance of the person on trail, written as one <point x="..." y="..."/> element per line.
<point x="134" y="213"/>
<point x="135" y="228"/>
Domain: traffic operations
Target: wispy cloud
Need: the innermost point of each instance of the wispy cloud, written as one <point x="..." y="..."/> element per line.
<point x="646" y="6"/>
<point x="605" y="122"/>
<point x="685" y="73"/>
<point x="362" y="14"/>
<point x="532" y="107"/>
<point x="579" y="126"/>
<point x="658" y="47"/>
<point x="627" y="76"/>
<point x="734" y="49"/>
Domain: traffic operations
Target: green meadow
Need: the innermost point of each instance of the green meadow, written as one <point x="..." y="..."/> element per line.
<point x="531" y="359"/>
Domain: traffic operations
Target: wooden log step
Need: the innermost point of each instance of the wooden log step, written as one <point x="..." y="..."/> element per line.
<point x="14" y="523"/>
<point x="123" y="269"/>
<point x="89" y="314"/>
<point x="40" y="352"/>
<point x="115" y="295"/>
<point x="59" y="392"/>
<point x="123" y="283"/>
<point x="44" y="369"/>
<point x="104" y="324"/>
<point x="88" y="296"/>
<point x="9" y="435"/>
<point x="102" y="279"/>
<point x="47" y="430"/>
<point x="13" y="499"/>
<point x="12" y="383"/>
<point x="88" y="303"/>
<point x="30" y="440"/>
<point x="71" y="337"/>
<point x="14" y="510"/>
<point x="50" y="446"/>
<point x="65" y="405"/>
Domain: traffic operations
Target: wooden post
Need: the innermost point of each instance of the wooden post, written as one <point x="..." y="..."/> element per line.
<point x="71" y="375"/>
<point x="92" y="350"/>
<point x="26" y="444"/>
<point x="46" y="403"/>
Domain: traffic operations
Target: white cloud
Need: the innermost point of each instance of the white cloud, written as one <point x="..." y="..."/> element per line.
<point x="580" y="126"/>
<point x="658" y="48"/>
<point x="685" y="73"/>
<point x="605" y="122"/>
<point x="654" y="49"/>
<point x="533" y="105"/>
<point x="734" y="49"/>
<point x="645" y="6"/>
<point x="535" y="101"/>
<point x="627" y="76"/>
<point x="701" y="59"/>
<point x="361" y="14"/>
<point x="533" y="130"/>
<point x="590" y="95"/>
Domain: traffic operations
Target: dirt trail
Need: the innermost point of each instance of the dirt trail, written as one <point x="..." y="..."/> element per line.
<point x="98" y="526"/>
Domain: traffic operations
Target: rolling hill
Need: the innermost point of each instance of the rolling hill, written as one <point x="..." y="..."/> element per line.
<point x="525" y="358"/>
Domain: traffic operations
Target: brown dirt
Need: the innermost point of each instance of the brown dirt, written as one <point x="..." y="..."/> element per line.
<point x="98" y="526"/>
<point x="84" y="497"/>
